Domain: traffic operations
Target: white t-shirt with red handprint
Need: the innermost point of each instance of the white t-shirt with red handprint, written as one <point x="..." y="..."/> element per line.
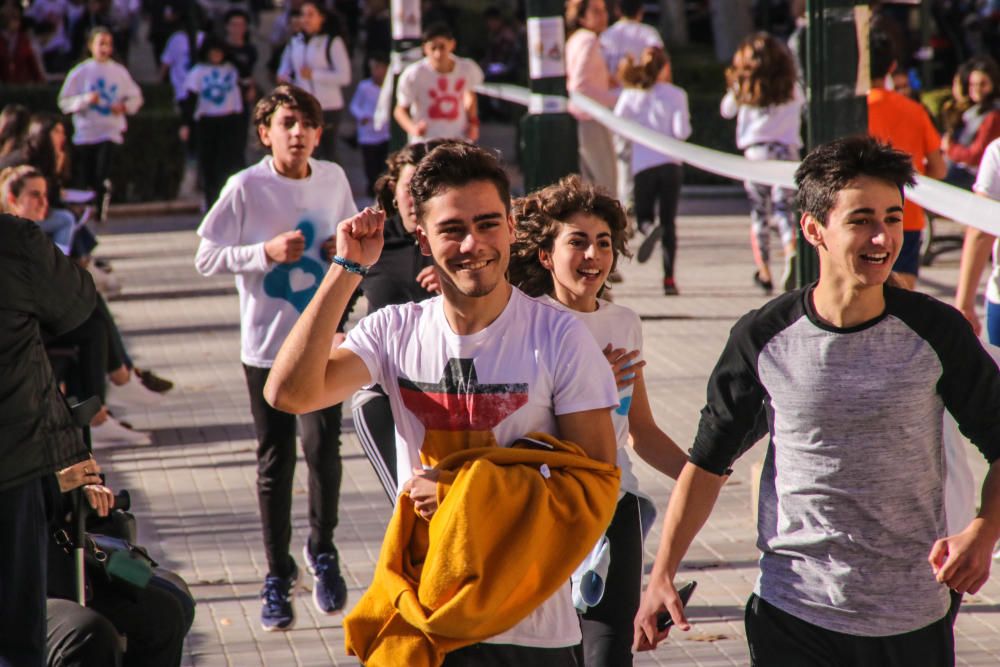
<point x="436" y="98"/>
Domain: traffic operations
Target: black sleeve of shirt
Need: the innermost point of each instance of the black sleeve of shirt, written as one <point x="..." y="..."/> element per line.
<point x="64" y="293"/>
<point x="735" y="415"/>
<point x="970" y="380"/>
<point x="734" y="411"/>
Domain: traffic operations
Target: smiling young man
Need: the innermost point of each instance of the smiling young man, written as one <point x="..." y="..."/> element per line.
<point x="849" y="377"/>
<point x="480" y="365"/>
<point x="272" y="226"/>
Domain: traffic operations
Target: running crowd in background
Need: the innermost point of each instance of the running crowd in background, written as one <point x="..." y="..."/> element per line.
<point x="514" y="295"/>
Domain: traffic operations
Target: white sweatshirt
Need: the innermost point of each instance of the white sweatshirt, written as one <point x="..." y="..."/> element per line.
<point x="329" y="75"/>
<point x="256" y="205"/>
<point x="94" y="123"/>
<point x="663" y="108"/>
<point x="779" y="124"/>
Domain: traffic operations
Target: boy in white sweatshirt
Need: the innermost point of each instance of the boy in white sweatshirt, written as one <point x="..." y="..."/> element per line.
<point x="272" y="226"/>
<point x="98" y="93"/>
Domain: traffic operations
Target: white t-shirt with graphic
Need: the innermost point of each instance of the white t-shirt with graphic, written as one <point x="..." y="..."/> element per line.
<point x="436" y="98"/>
<point x="95" y="122"/>
<point x="217" y="88"/>
<point x="988" y="183"/>
<point x="450" y="392"/>
<point x="256" y="205"/>
<point x="621" y="327"/>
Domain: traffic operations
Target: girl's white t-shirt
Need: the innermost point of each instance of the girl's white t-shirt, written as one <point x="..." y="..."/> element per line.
<point x="449" y="392"/>
<point x="217" y="88"/>
<point x="622" y="328"/>
<point x="663" y="108"/>
<point x="779" y="124"/>
<point x="988" y="184"/>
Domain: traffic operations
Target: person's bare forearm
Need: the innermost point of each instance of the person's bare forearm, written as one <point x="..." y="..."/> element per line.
<point x="402" y="116"/>
<point x="691" y="503"/>
<point x="659" y="450"/>
<point x="975" y="255"/>
<point x="298" y="377"/>
<point x="989" y="511"/>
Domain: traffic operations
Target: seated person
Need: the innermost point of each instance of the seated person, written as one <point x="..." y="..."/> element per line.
<point x="122" y="624"/>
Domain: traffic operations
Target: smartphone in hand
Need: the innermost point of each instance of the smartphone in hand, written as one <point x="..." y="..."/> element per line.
<point x="663" y="619"/>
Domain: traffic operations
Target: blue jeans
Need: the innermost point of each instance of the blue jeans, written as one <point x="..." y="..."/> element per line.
<point x="993" y="322"/>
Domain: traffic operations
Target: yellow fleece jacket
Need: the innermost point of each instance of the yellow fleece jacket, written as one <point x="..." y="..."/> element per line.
<point x="454" y="581"/>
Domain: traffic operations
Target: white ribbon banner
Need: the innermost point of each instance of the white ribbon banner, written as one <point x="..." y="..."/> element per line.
<point x="946" y="200"/>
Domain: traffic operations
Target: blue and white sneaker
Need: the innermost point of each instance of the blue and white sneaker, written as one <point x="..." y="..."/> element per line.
<point x="278" y="596"/>
<point x="329" y="587"/>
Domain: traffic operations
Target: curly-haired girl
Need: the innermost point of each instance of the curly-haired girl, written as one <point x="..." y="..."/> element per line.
<point x="766" y="101"/>
<point x="568" y="239"/>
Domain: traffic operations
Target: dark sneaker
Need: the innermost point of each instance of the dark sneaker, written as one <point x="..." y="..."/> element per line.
<point x="670" y="287"/>
<point x="329" y="587"/>
<point x="278" y="596"/>
<point x="154" y="382"/>
<point x="765" y="285"/>
<point x="648" y="243"/>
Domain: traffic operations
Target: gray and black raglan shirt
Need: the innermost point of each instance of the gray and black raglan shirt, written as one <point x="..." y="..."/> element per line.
<point x="851" y="495"/>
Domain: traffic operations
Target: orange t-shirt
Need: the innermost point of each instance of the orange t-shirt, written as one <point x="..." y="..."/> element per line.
<point x="907" y="126"/>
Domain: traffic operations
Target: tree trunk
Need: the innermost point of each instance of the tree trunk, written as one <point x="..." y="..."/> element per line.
<point x="731" y="22"/>
<point x="673" y="23"/>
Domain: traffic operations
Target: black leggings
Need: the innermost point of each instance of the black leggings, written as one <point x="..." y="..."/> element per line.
<point x="607" y="627"/>
<point x="660" y="184"/>
<point x="276" y="456"/>
<point x="92" y="167"/>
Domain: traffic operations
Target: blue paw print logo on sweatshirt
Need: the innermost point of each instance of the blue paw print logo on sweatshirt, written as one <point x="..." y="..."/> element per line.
<point x="296" y="283"/>
<point x="216" y="86"/>
<point x="106" y="96"/>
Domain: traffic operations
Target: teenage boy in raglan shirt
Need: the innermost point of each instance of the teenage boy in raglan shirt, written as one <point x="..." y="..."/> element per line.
<point x="272" y="226"/>
<point x="850" y="378"/>
<point x="482" y="364"/>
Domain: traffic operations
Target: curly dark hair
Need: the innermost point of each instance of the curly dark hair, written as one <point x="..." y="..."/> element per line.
<point x="763" y="71"/>
<point x="831" y="167"/>
<point x="385" y="186"/>
<point x="537" y="218"/>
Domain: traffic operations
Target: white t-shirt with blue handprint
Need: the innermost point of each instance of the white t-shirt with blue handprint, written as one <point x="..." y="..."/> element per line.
<point x="256" y="205"/>
<point x="217" y="88"/>
<point x="95" y="122"/>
